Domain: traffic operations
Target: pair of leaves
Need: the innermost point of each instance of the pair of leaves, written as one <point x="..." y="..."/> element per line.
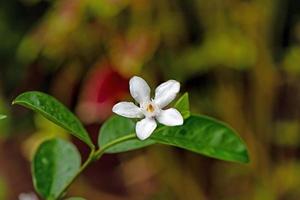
<point x="199" y="134"/>
<point x="56" y="161"/>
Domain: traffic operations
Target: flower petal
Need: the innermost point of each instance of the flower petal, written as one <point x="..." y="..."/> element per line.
<point x="166" y="92"/>
<point x="145" y="128"/>
<point x="170" y="117"/>
<point x="139" y="89"/>
<point x="127" y="109"/>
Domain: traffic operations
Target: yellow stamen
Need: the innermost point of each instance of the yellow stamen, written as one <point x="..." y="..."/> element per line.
<point x="150" y="108"/>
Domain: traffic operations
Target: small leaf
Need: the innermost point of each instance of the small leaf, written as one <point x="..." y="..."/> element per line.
<point x="2" y="116"/>
<point x="205" y="136"/>
<point x="55" y="111"/>
<point x="183" y="105"/>
<point x="55" y="163"/>
<point x="120" y="129"/>
<point x="75" y="198"/>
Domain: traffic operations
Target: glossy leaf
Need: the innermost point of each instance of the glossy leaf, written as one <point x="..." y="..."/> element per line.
<point x="206" y="136"/>
<point x="183" y="105"/>
<point x="2" y="116"/>
<point x="54" y="165"/>
<point x="55" y="111"/>
<point x="120" y="128"/>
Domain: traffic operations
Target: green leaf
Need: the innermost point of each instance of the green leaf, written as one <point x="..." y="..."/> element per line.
<point x="200" y="134"/>
<point x="206" y="136"/>
<point x="75" y="198"/>
<point x="2" y="116"/>
<point x="183" y="105"/>
<point x="54" y="165"/>
<point x="55" y="111"/>
<point x="118" y="129"/>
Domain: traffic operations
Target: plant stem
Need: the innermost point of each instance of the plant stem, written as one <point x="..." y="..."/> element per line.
<point x="83" y="166"/>
<point x="101" y="151"/>
<point x="93" y="156"/>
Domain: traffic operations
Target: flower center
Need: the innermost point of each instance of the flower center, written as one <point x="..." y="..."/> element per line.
<point x="150" y="108"/>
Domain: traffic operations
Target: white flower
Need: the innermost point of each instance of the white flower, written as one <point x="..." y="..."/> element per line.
<point x="28" y="196"/>
<point x="151" y="109"/>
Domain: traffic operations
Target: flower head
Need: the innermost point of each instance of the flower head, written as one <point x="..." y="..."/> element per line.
<point x="150" y="109"/>
<point x="28" y="196"/>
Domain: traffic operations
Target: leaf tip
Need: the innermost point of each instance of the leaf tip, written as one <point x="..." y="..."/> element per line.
<point x="15" y="101"/>
<point x="247" y="159"/>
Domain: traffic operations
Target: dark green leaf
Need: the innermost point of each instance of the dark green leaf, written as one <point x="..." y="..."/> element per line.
<point x="2" y="116"/>
<point x="199" y="134"/>
<point x="54" y="165"/>
<point x="206" y="136"/>
<point x="183" y="105"/>
<point x="75" y="198"/>
<point x="119" y="128"/>
<point x="55" y="111"/>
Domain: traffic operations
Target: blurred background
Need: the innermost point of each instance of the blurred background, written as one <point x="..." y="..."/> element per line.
<point x="238" y="59"/>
